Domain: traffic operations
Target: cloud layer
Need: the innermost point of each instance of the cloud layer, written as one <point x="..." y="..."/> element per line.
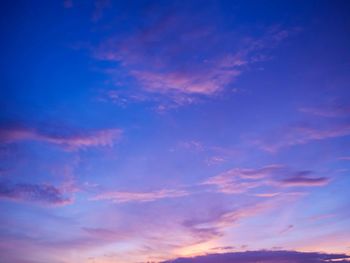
<point x="265" y="257"/>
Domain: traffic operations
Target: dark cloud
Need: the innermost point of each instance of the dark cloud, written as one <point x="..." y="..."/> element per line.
<point x="264" y="256"/>
<point x="37" y="193"/>
<point x="303" y="178"/>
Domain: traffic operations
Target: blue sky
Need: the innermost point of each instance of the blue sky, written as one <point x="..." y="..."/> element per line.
<point x="150" y="130"/>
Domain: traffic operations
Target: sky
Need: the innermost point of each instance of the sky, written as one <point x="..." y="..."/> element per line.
<point x="145" y="131"/>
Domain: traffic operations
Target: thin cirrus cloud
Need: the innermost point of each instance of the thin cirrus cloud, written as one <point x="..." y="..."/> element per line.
<point x="214" y="225"/>
<point x="333" y="111"/>
<point x="302" y="134"/>
<point x="242" y="180"/>
<point x="266" y="256"/>
<point x="36" y="193"/>
<point x="73" y="141"/>
<point x="187" y="61"/>
<point x="205" y="229"/>
<point x="234" y="181"/>
<point x="123" y="197"/>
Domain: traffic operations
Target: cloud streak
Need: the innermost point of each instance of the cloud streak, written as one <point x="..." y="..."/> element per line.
<point x="242" y="180"/>
<point x="302" y="134"/>
<point x="124" y="197"/>
<point x="37" y="193"/>
<point x="73" y="141"/>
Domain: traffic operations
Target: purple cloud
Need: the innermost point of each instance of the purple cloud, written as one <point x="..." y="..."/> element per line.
<point x="344" y="158"/>
<point x="303" y="179"/>
<point x="213" y="225"/>
<point x="122" y="197"/>
<point x="73" y="141"/>
<point x="265" y="256"/>
<point x="37" y="193"/>
<point x="242" y="180"/>
<point x="332" y="111"/>
<point x="187" y="61"/>
<point x="302" y="134"/>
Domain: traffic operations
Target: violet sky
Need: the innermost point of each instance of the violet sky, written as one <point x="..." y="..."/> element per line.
<point x="135" y="131"/>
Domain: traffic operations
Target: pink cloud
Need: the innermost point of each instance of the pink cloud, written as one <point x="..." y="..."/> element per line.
<point x="204" y="82"/>
<point x="70" y="142"/>
<point x="267" y="195"/>
<point x="193" y="56"/>
<point x="328" y="111"/>
<point x="302" y="134"/>
<point x="242" y="180"/>
<point x="123" y="197"/>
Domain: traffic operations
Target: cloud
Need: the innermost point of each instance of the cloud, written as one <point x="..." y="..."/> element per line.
<point x="332" y="111"/>
<point x="265" y="256"/>
<point x="70" y="141"/>
<point x="287" y="229"/>
<point x="213" y="225"/>
<point x="175" y="53"/>
<point x="303" y="179"/>
<point x="344" y="158"/>
<point x="213" y="154"/>
<point x="242" y="180"/>
<point x="123" y="197"/>
<point x="36" y="193"/>
<point x="104" y="234"/>
<point x="302" y="134"/>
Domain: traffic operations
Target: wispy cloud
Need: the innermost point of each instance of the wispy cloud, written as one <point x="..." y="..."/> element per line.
<point x="187" y="61"/>
<point x="242" y="180"/>
<point x="73" y="141"/>
<point x="104" y="234"/>
<point x="302" y="134"/>
<point x="331" y="111"/>
<point x="213" y="154"/>
<point x="214" y="225"/>
<point x="38" y="193"/>
<point x="344" y="158"/>
<point x="123" y="197"/>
